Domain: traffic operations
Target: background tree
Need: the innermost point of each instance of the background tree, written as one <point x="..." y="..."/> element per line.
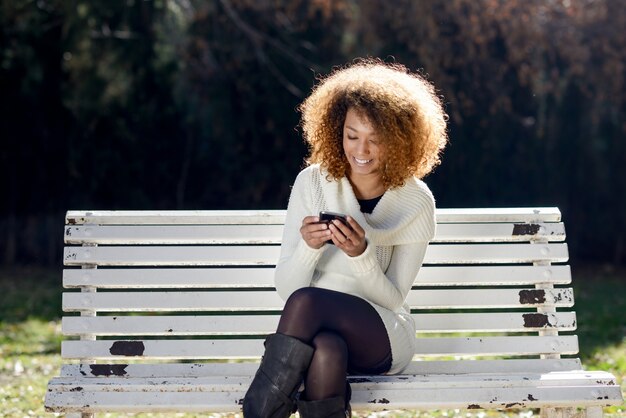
<point x="248" y="65"/>
<point x="535" y="91"/>
<point x="190" y="104"/>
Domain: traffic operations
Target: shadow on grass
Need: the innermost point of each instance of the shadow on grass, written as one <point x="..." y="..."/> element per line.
<point x="30" y="293"/>
<point x="30" y="310"/>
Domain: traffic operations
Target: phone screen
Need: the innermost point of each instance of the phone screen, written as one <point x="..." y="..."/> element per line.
<point x="327" y="217"/>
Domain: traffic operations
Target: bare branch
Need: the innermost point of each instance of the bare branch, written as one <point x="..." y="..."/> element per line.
<point x="259" y="38"/>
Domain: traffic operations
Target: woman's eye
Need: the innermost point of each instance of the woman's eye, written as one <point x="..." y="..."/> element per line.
<point x="352" y="137"/>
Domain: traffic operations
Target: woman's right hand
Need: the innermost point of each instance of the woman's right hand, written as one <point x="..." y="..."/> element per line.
<point x="314" y="232"/>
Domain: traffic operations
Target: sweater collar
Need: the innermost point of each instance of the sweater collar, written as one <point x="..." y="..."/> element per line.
<point x="394" y="218"/>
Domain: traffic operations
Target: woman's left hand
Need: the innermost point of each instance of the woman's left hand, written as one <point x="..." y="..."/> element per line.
<point x="348" y="238"/>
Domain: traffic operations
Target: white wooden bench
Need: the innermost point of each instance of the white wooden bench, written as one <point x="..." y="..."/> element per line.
<point x="168" y="310"/>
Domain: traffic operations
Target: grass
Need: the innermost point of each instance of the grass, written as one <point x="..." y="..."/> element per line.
<point x="30" y="308"/>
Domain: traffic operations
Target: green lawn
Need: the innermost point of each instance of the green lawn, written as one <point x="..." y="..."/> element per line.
<point x="30" y="308"/>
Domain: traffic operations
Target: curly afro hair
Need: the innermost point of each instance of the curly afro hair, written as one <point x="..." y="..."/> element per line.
<point x="401" y="106"/>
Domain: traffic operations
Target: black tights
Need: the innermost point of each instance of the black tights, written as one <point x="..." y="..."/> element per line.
<point x="346" y="332"/>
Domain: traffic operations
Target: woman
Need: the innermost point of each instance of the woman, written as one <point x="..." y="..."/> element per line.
<point x="373" y="130"/>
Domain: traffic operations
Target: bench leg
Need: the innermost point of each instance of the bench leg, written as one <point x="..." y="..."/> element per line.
<point x="589" y="412"/>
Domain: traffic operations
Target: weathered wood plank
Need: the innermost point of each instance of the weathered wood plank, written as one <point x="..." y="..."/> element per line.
<point x="458" y="394"/>
<point x="495" y="253"/>
<point x="242" y="349"/>
<point x="493" y="275"/>
<point x="200" y="277"/>
<point x="185" y="217"/>
<point x="445" y="298"/>
<point x="176" y="217"/>
<point x="424" y="367"/>
<point x="365" y="382"/>
<point x="529" y="214"/>
<point x="272" y="234"/>
<point x="263" y="255"/>
<point x="266" y="324"/>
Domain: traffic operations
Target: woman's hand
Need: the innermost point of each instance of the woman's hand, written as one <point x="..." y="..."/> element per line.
<point x="350" y="239"/>
<point x="314" y="232"/>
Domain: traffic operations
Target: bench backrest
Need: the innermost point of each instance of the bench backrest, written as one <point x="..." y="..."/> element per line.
<point x="198" y="285"/>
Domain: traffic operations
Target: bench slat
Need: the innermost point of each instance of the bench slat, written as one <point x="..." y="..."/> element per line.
<point x="185" y="278"/>
<point x="268" y="255"/>
<point x="495" y="322"/>
<point x="249" y="368"/>
<point x="247" y="217"/>
<point x="228" y="349"/>
<point x="359" y="383"/>
<point x="272" y="234"/>
<point x="266" y="324"/>
<point x="378" y="400"/>
<point x="269" y="300"/>
<point x="493" y="275"/>
<point x="176" y="217"/>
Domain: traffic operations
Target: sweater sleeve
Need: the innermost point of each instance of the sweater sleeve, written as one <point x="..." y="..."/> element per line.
<point x="297" y="261"/>
<point x="389" y="289"/>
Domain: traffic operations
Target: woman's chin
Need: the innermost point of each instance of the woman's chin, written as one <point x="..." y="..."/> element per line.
<point x="363" y="170"/>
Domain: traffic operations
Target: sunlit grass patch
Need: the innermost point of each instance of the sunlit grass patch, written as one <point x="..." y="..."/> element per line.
<point x="28" y="359"/>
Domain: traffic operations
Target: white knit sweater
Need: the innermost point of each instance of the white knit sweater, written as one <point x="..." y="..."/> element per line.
<point x="397" y="232"/>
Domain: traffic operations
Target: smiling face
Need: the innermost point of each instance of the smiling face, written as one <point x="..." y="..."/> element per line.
<point x="361" y="146"/>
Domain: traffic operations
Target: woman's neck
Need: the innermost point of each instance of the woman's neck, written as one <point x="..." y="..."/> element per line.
<point x="367" y="187"/>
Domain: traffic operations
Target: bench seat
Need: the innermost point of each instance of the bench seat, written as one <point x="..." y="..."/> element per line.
<point x="167" y="312"/>
<point x="223" y="393"/>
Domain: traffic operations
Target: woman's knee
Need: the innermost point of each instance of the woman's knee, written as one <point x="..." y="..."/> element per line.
<point x="303" y="300"/>
<point x="301" y="317"/>
<point x="331" y="349"/>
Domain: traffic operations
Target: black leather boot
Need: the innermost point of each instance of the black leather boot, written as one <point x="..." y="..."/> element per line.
<point x="337" y="407"/>
<point x="325" y="408"/>
<point x="273" y="389"/>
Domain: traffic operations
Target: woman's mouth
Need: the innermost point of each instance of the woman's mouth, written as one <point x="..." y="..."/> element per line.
<point x="361" y="162"/>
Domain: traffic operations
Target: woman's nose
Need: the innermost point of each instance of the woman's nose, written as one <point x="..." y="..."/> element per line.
<point x="363" y="147"/>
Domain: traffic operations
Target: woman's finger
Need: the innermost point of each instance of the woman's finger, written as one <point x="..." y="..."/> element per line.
<point x="338" y="229"/>
<point x="310" y="220"/>
<point x="342" y="227"/>
<point x="355" y="226"/>
<point x="337" y="239"/>
<point x="313" y="232"/>
<point x="352" y="235"/>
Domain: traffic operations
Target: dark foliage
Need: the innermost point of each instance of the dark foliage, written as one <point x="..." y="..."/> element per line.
<point x="172" y="104"/>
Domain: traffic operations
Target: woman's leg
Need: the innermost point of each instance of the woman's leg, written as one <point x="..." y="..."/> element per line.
<point x="330" y="321"/>
<point x="326" y="375"/>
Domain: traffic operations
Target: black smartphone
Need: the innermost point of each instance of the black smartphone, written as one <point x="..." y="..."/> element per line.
<point x="327" y="217"/>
